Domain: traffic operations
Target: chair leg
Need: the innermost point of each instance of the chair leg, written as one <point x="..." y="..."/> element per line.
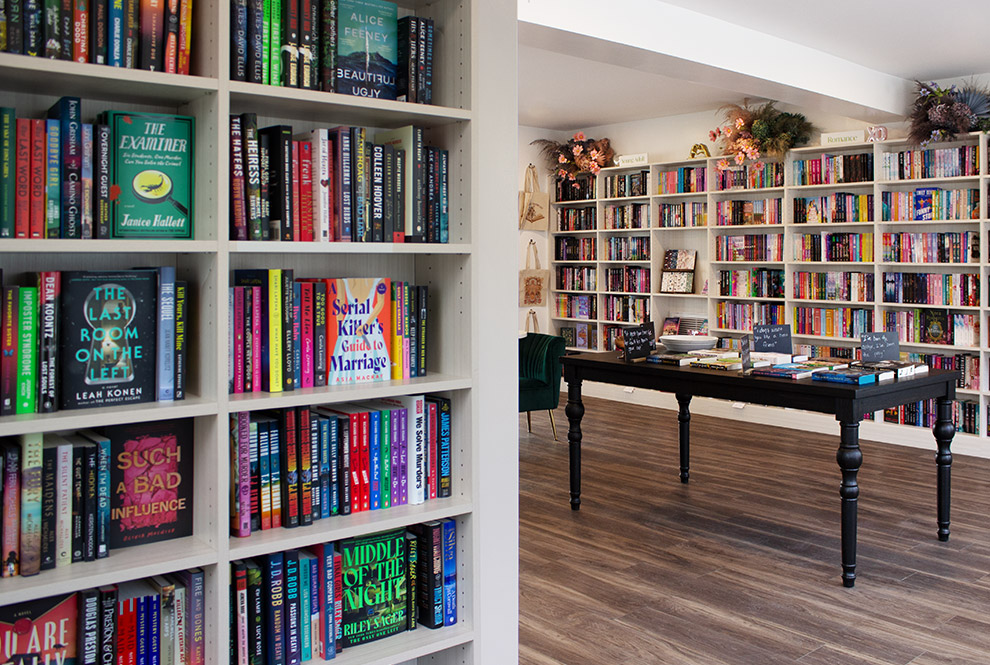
<point x="529" y="423"/>
<point x="553" y="425"/>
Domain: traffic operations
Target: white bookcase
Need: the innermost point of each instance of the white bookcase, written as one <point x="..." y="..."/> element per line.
<point x="704" y="236"/>
<point x="472" y="345"/>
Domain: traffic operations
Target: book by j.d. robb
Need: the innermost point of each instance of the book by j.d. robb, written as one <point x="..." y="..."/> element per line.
<point x="358" y="327"/>
<point x="109" y="326"/>
<point x="40" y="631"/>
<point x="151" y="190"/>
<point x="151" y="482"/>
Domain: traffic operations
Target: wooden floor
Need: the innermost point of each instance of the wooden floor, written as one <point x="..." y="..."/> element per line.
<point x="741" y="566"/>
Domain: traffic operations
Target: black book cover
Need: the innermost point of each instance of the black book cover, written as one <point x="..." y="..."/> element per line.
<point x="376" y="225"/>
<point x="238" y="40"/>
<point x="255" y="32"/>
<point x="289" y="472"/>
<point x="33" y="28"/>
<point x="49" y="511"/>
<point x="314" y="466"/>
<point x="181" y="322"/>
<point x="90" y="471"/>
<point x="170" y="48"/>
<point x="407" y="43"/>
<point x="288" y="336"/>
<point x="131" y="34"/>
<point x="305" y="62"/>
<point x="151" y="481"/>
<point x="100" y="31"/>
<point x="66" y="33"/>
<point x="431" y="193"/>
<point x="67" y="111"/>
<point x="108" y="625"/>
<point x="107" y="351"/>
<point x="49" y="284"/>
<point x="293" y="606"/>
<point x="315" y="13"/>
<point x="101" y="164"/>
<point x="256" y="614"/>
<point x="328" y="46"/>
<point x="305" y="462"/>
<point x="252" y="174"/>
<point x="280" y="180"/>
<point x="426" y="76"/>
<point x="412" y="314"/>
<point x="238" y="199"/>
<point x="254" y="469"/>
<point x="400" y="196"/>
<point x="15" y="26"/>
<point x="53" y="29"/>
<point x="88" y="634"/>
<point x="78" y="502"/>
<point x="388" y="194"/>
<point x="289" y="53"/>
<point x="264" y="164"/>
<point x="421" y="318"/>
<point x="429" y="573"/>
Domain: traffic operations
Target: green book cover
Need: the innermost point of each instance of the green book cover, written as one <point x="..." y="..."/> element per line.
<point x="27" y="353"/>
<point x="367" y="48"/>
<point x="275" y="43"/>
<point x="31" y="459"/>
<point x="266" y="41"/>
<point x="374" y="581"/>
<point x="151" y="175"/>
<point x="7" y="152"/>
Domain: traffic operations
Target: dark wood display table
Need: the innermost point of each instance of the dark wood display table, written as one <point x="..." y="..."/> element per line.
<point x="846" y="402"/>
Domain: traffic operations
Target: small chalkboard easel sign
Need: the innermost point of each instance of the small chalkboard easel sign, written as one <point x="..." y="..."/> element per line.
<point x="639" y="341"/>
<point x="879" y="346"/>
<point x="775" y="338"/>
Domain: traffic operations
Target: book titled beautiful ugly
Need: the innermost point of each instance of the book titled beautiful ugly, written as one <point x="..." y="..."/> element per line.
<point x="367" y="48"/>
<point x="358" y="330"/>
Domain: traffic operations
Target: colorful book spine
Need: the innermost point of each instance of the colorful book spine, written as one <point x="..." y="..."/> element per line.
<point x="170" y="53"/>
<point x="132" y="33"/>
<point x="243" y="461"/>
<point x="152" y="39"/>
<point x="67" y="112"/>
<point x="11" y="510"/>
<point x="30" y="538"/>
<point x="449" y="572"/>
<point x="305" y="462"/>
<point x="86" y="175"/>
<point x="181" y="362"/>
<point x="293" y="608"/>
<point x="275" y="303"/>
<point x="185" y="36"/>
<point x="238" y="207"/>
<point x="264" y="470"/>
<point x="102" y="149"/>
<point x="328" y="46"/>
<point x="108" y="625"/>
<point x="275" y="444"/>
<point x="9" y="347"/>
<point x="81" y="27"/>
<point x="22" y="191"/>
<point x="52" y="29"/>
<point x="275" y="45"/>
<point x="38" y="166"/>
<point x="116" y="36"/>
<point x="274" y="588"/>
<point x="166" y="334"/>
<point x="195" y="585"/>
<point x="49" y="508"/>
<point x="254" y="470"/>
<point x="49" y="287"/>
<point x="8" y="169"/>
<point x="27" y="353"/>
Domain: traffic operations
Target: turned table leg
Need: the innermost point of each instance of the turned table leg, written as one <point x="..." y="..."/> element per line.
<point x="944" y="431"/>
<point x="574" y="412"/>
<point x="684" y="434"/>
<point x="849" y="458"/>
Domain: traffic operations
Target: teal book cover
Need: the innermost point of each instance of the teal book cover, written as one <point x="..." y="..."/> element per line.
<point x="151" y="190"/>
<point x="367" y="48"/>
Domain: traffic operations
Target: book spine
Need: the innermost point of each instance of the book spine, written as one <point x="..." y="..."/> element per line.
<point x="90" y="500"/>
<point x="293" y="619"/>
<point x="132" y="33"/>
<point x="266" y="14"/>
<point x="256" y="618"/>
<point x="320" y="179"/>
<point x="100" y="31"/>
<point x="422" y="301"/>
<point x="80" y="27"/>
<point x="243" y="474"/>
<point x="239" y="629"/>
<point x="305" y="57"/>
<point x="27" y="353"/>
<point x="238" y="210"/>
<point x="184" y="55"/>
<point x="311" y="606"/>
<point x="101" y="163"/>
<point x="181" y="363"/>
<point x="289" y="53"/>
<point x="290" y="469"/>
<point x="319" y="334"/>
<point x="306" y="339"/>
<point x="166" y="334"/>
<point x="395" y="444"/>
<point x="344" y="474"/>
<point x="153" y="629"/>
<point x="289" y="331"/>
<point x="251" y="166"/>
<point x="22" y="192"/>
<point x="256" y="336"/>
<point x="49" y="287"/>
<point x="103" y="491"/>
<point x="275" y="342"/>
<point x="405" y="78"/>
<point x="49" y="508"/>
<point x="11" y="510"/>
<point x="88" y="634"/>
<point x="33" y="29"/>
<point x="30" y="498"/>
<point x="37" y="172"/>
<point x="412" y="591"/>
<point x="275" y="444"/>
<point x="108" y="626"/>
<point x="8" y="171"/>
<point x="170" y="54"/>
<point x="64" y="519"/>
<point x="427" y="75"/>
<point x="305" y="462"/>
<point x="239" y="40"/>
<point x="67" y="111"/>
<point x="238" y="350"/>
<point x="377" y="203"/>
<point x="449" y="572"/>
<point x="52" y="29"/>
<point x="384" y="459"/>
<point x="275" y="608"/>
<point x="115" y="47"/>
<point x="296" y="324"/>
<point x="444" y="196"/>
<point x="86" y="178"/>
<point x="431" y="450"/>
<point x="15" y="26"/>
<point x="445" y="480"/>
<point x="152" y="15"/>
<point x="78" y="503"/>
<point x="264" y="472"/>
<point x="306" y="191"/>
<point x="328" y="46"/>
<point x="359" y="184"/>
<point x="314" y="466"/>
<point x="255" y="28"/>
<point x="330" y="468"/>
<point x="276" y="42"/>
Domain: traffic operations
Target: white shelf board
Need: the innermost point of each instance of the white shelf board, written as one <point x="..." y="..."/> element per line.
<point x="60" y="246"/>
<point x="680" y="228"/>
<point x="808" y="301"/>
<point x="920" y="181"/>
<point x="831" y="185"/>
<point x="905" y="305"/>
<point x="278" y="247"/>
<point x="408" y="645"/>
<point x="76" y="419"/>
<point x="748" y="299"/>
<point x="680" y="195"/>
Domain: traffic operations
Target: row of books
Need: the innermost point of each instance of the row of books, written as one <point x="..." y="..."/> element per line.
<point x="579" y="335"/>
<point x="63" y="178"/>
<point x="751" y="283"/>
<point x="750" y="247"/>
<point x="967" y="364"/>
<point x="832" y="321"/>
<point x="581" y="188"/>
<point x="931" y="203"/>
<point x="627" y="184"/>
<point x="154" y="620"/>
<point x="156" y="36"/>
<point x="299" y="465"/>
<point x="961" y="247"/>
<point x="628" y="309"/>
<point x="751" y="175"/>
<point x="124" y="341"/>
<point x="680" y="215"/>
<point x="351" y="47"/>
<point x="627" y="248"/>
<point x="576" y="278"/>
<point x="931" y="163"/>
<point x="628" y="279"/>
<point x="834" y="208"/>
<point x="311" y="604"/>
<point x="965" y="415"/>
<point x="570" y="248"/>
<point x="629" y="216"/>
<point x="74" y="497"/>
<point x="611" y="333"/>
<point x="336" y="184"/>
<point x="836" y="370"/>
<point x="833" y="285"/>
<point x="829" y="169"/>
<point x="742" y="315"/>
<point x="288" y="334"/>
<point x="686" y="179"/>
<point x="849" y="247"/>
<point x="918" y="288"/>
<point x="748" y="212"/>
<point x="570" y="306"/>
<point x="934" y="326"/>
<point x="576" y="219"/>
<point x="723" y="359"/>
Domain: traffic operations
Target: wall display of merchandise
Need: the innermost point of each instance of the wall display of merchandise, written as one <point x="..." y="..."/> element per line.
<point x="177" y="379"/>
<point x="835" y="241"/>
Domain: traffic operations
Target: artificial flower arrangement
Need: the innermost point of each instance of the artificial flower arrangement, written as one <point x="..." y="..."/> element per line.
<point x="749" y="133"/>
<point x="578" y="155"/>
<point x="940" y="113"/>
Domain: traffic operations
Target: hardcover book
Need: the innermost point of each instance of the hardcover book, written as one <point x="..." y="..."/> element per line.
<point x="358" y="327"/>
<point x="847" y="375"/>
<point x="40" y="631"/>
<point x="374" y="593"/>
<point x="367" y="48"/>
<point x="151" y="482"/>
<point x="152" y="184"/>
<point x="107" y="350"/>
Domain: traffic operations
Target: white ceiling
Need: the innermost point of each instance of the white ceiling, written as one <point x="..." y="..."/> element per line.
<point x="569" y="80"/>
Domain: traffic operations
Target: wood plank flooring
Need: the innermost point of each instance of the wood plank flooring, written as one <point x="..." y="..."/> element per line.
<point x="741" y="566"/>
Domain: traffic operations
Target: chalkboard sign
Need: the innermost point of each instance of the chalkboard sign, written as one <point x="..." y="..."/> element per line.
<point x="775" y="338"/>
<point x="639" y="340"/>
<point x="880" y="346"/>
<point x="744" y="350"/>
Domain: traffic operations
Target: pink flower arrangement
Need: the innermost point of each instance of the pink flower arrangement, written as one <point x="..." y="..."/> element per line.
<point x="749" y="133"/>
<point x="577" y="156"/>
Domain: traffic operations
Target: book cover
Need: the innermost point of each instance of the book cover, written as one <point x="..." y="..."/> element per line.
<point x="11" y="509"/>
<point x="53" y="183"/>
<point x="449" y="572"/>
<point x="847" y="375"/>
<point x="8" y="167"/>
<point x="39" y="165"/>
<point x="151" y="479"/>
<point x="89" y="626"/>
<point x="274" y="591"/>
<point x="107" y="350"/>
<point x="27" y="352"/>
<point x="374" y="581"/>
<point x="358" y="328"/>
<point x="152" y="38"/>
<point x="152" y="164"/>
<point x="367" y="48"/>
<point x="30" y="526"/>
<point x="40" y="631"/>
<point x="8" y="348"/>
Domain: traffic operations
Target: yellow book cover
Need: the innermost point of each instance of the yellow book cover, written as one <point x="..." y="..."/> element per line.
<point x="275" y="330"/>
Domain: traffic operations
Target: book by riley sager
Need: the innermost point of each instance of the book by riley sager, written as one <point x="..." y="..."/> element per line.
<point x="151" y="175"/>
<point x="374" y="580"/>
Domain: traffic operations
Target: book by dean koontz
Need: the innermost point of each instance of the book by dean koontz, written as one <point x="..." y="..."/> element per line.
<point x="151" y="191"/>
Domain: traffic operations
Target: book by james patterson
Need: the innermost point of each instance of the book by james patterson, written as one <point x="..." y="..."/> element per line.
<point x="367" y="48"/>
<point x="152" y="165"/>
<point x="40" y="631"/>
<point x="107" y="350"/>
<point x="374" y="593"/>
<point x="151" y="481"/>
<point x="359" y="327"/>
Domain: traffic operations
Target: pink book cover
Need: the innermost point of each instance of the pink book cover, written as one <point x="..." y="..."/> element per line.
<point x="243" y="474"/>
<point x="431" y="451"/>
<point x="238" y="349"/>
<point x="296" y="176"/>
<point x="306" y="189"/>
<point x="308" y="361"/>
<point x="365" y="462"/>
<point x="256" y="335"/>
<point x="39" y="165"/>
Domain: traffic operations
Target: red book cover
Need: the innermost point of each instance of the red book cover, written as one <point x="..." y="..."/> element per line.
<point x="8" y="346"/>
<point x="296" y="185"/>
<point x="11" y="509"/>
<point x="80" y="30"/>
<point x="354" y="443"/>
<point x="39" y="167"/>
<point x="238" y="349"/>
<point x="290" y="469"/>
<point x="431" y="455"/>
<point x="338" y="594"/>
<point x="306" y="189"/>
<point x="185" y="35"/>
<point x="365" y="462"/>
<point x="127" y="632"/>
<point x="308" y="362"/>
<point x="22" y="179"/>
<point x="305" y="467"/>
<point x="256" y="335"/>
<point x="40" y="631"/>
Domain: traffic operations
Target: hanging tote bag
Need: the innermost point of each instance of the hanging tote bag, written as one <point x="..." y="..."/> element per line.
<point x="533" y="281"/>
<point x="532" y="323"/>
<point x="534" y="205"/>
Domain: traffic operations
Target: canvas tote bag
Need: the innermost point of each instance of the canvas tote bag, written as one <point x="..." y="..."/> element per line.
<point x="534" y="205"/>
<point x="533" y="281"/>
<point x="532" y="323"/>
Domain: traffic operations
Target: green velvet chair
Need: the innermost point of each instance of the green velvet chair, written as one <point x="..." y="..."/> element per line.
<point x="539" y="375"/>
